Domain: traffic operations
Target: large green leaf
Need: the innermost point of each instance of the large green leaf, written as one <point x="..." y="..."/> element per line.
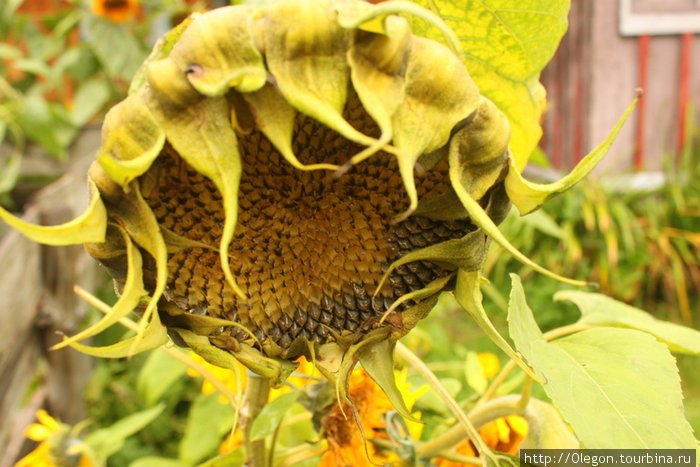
<point x="505" y="45"/>
<point x="107" y="441"/>
<point x="207" y="423"/>
<point x="158" y="374"/>
<point x="597" y="309"/>
<point x="272" y="414"/>
<point x="617" y="388"/>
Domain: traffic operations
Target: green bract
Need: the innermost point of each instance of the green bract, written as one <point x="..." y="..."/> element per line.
<point x="299" y="178"/>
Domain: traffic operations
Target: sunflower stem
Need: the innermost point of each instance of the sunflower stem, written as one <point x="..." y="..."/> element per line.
<point x="465" y="425"/>
<point x="256" y="395"/>
<point x="479" y="416"/>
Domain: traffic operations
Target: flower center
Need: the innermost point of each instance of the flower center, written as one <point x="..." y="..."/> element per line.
<point x="309" y="249"/>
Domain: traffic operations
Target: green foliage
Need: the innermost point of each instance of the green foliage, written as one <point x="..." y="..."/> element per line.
<point x="615" y="387"/>
<point x="53" y="80"/>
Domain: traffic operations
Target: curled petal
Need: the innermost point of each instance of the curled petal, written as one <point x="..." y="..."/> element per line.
<point x="88" y="227"/>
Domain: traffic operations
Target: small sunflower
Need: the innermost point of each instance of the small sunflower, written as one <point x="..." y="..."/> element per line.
<point x="58" y="447"/>
<point x="502" y="435"/>
<point x="117" y="11"/>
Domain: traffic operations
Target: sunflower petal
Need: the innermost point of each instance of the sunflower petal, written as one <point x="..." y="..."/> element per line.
<point x="91" y="226"/>
<point x="153" y="336"/>
<point x="468" y="294"/>
<point x="481" y="149"/>
<point x="374" y="17"/>
<point x="436" y="99"/>
<point x="479" y="218"/>
<point x="130" y="296"/>
<point x="466" y="253"/>
<point x="378" y="361"/>
<point x="217" y="53"/>
<point x="132" y="138"/>
<point x="275" y="118"/>
<point x="210" y="146"/>
<point x="305" y="51"/>
<point x="528" y="196"/>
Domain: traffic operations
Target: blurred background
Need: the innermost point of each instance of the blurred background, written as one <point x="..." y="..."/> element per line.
<point x="633" y="227"/>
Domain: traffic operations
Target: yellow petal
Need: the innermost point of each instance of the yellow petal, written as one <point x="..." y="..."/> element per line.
<point x="132" y="140"/>
<point x="153" y="336"/>
<point x="275" y="118"/>
<point x="88" y="227"/>
<point x="47" y="420"/>
<point x="40" y="457"/>
<point x="528" y="196"/>
<point x="38" y="432"/>
<point x="210" y="146"/>
<point x="305" y="50"/>
<point x="130" y="296"/>
<point x="217" y="52"/>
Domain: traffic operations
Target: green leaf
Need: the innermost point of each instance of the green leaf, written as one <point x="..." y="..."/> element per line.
<point x="208" y="422"/>
<point x="546" y="429"/>
<point x="158" y="374"/>
<point x="107" y="441"/>
<point x="600" y="310"/>
<point x="505" y="45"/>
<point x="271" y="415"/>
<point x="116" y="48"/>
<point x="229" y="459"/>
<point x="90" y="97"/>
<point x="91" y="226"/>
<point x="8" y="51"/>
<point x="38" y="123"/>
<point x="377" y="359"/>
<point x="152" y="461"/>
<point x="617" y="388"/>
<point x="528" y="196"/>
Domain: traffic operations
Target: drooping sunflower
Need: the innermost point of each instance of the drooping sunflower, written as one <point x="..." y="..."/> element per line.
<point x="298" y="178"/>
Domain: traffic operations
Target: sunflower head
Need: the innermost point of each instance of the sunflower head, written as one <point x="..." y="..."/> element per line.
<point x="280" y="182"/>
<point x="297" y="178"/>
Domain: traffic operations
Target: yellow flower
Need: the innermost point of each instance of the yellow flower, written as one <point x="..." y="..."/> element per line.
<point x="117" y="11"/>
<point x="490" y="364"/>
<point x="57" y="447"/>
<point x="503" y="435"/>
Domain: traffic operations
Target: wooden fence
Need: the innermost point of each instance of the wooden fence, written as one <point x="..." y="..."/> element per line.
<point x="36" y="301"/>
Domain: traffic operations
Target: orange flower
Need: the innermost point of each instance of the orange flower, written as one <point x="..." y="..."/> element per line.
<point x="117" y="11"/>
<point x="503" y="435"/>
<point x="346" y="446"/>
<point x="56" y="445"/>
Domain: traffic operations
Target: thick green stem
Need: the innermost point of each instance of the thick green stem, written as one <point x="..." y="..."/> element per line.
<point x="487" y="410"/>
<point x="256" y="395"/>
